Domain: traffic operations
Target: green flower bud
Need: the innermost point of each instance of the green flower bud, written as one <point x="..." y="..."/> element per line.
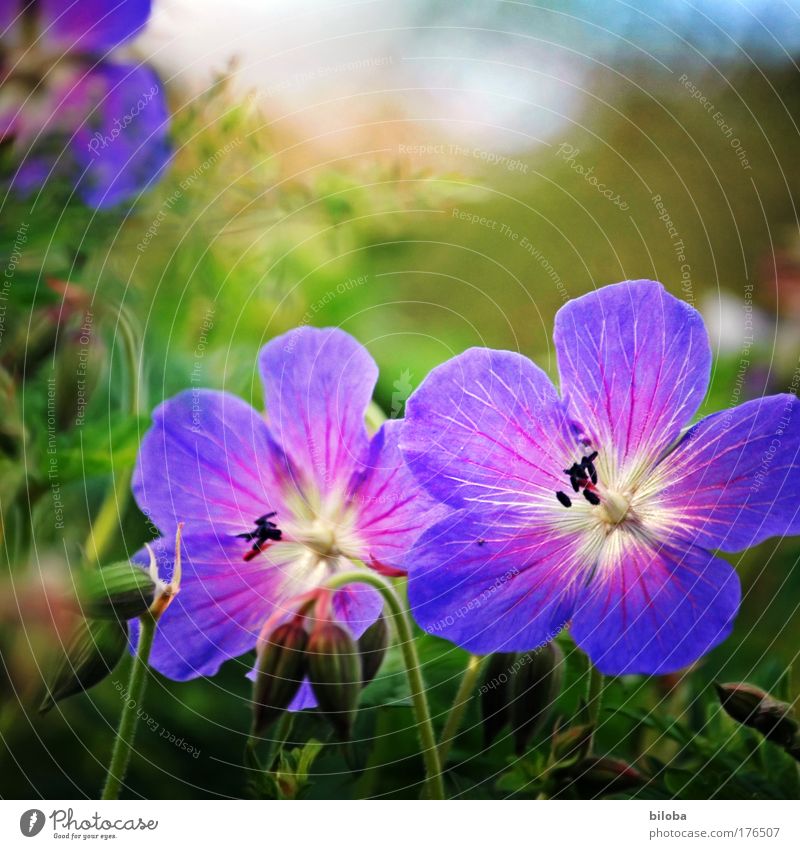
<point x="535" y="688"/>
<point x="281" y="668"/>
<point x="334" y="669"/>
<point x="372" y="647"/>
<point x="754" y="708"/>
<point x="495" y="694"/>
<point x="94" y="650"/>
<point x="121" y="591"/>
<point x="572" y="743"/>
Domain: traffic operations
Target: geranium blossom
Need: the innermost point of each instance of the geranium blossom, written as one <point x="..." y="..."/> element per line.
<point x="68" y="109"/>
<point x="592" y="509"/>
<point x="273" y="507"/>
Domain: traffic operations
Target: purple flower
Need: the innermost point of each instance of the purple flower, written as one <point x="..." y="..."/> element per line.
<point x="273" y="507"/>
<point x="68" y="110"/>
<point x="594" y="510"/>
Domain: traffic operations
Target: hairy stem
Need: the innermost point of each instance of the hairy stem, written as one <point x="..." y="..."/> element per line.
<point x="430" y="752"/>
<point x="594" y="697"/>
<point x="107" y="520"/>
<point x="462" y="699"/>
<point x="123" y="743"/>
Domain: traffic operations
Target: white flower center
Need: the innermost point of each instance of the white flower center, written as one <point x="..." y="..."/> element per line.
<point x="325" y="527"/>
<point x="322" y="537"/>
<point x="613" y="507"/>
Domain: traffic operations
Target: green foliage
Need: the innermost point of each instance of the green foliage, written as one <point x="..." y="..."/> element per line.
<point x="93" y="651"/>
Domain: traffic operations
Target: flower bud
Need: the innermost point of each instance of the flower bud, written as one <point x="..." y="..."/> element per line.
<point x="496" y="694"/>
<point x="334" y="669"/>
<point x="606" y="776"/>
<point x="94" y="650"/>
<point x="536" y="685"/>
<point x="279" y="674"/>
<point x="754" y="708"/>
<point x="573" y="742"/>
<point x="122" y="591"/>
<point x="372" y="646"/>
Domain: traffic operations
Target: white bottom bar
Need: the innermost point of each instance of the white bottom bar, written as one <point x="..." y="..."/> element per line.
<point x="401" y="824"/>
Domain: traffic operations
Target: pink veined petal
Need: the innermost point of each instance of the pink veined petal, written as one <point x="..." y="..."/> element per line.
<point x="222" y="604"/>
<point x="392" y="508"/>
<point x="208" y="461"/>
<point x="731" y="482"/>
<point x="487" y="428"/>
<point x="634" y="363"/>
<point x="653" y="608"/>
<point x="357" y="606"/>
<point x="317" y="386"/>
<point x="491" y="581"/>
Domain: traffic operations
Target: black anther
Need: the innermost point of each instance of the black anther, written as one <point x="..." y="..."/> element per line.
<point x="564" y="498"/>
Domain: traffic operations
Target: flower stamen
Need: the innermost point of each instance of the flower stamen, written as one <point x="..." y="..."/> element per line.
<point x="564" y="498"/>
<point x="582" y="476"/>
<point x="264" y="533"/>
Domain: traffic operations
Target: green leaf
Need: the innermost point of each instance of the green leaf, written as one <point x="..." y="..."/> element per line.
<point x="292" y="777"/>
<point x="666" y="725"/>
<point x="95" y="449"/>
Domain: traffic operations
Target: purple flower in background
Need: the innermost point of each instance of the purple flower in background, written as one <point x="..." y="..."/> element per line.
<point x="593" y="510"/>
<point x="273" y="507"/>
<point x="68" y="110"/>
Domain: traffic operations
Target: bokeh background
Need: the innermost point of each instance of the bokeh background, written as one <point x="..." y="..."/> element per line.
<point x="428" y="175"/>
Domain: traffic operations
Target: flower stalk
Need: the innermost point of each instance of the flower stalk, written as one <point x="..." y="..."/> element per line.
<point x="430" y="751"/>
<point x="137" y="683"/>
<point x="126" y="733"/>
<point x="594" y="699"/>
<point x="466" y="690"/>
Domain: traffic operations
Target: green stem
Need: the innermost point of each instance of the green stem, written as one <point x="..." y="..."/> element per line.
<point x="594" y="697"/>
<point x="107" y="522"/>
<point x="430" y="751"/>
<point x="131" y="349"/>
<point x="123" y="744"/>
<point x="463" y="696"/>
